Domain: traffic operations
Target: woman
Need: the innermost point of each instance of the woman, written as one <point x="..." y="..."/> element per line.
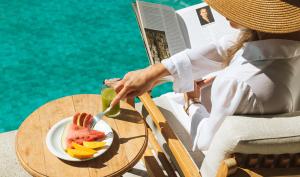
<point x="262" y="66"/>
<point x="203" y="16"/>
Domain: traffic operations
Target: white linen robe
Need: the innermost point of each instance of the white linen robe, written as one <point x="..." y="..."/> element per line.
<point x="262" y="78"/>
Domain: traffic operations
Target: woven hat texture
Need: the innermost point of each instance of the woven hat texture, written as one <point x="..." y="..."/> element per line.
<point x="272" y="16"/>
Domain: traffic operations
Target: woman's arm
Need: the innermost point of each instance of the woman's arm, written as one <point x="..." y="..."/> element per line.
<point x="181" y="66"/>
<point x="185" y="67"/>
<point x="138" y="82"/>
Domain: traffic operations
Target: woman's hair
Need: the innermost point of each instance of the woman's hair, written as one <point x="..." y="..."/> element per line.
<point x="245" y="36"/>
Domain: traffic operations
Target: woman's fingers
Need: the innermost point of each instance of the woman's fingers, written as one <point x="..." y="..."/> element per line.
<point x="134" y="83"/>
<point x="120" y="95"/>
<point x="200" y="83"/>
<point x="209" y="80"/>
<point x="205" y="82"/>
<point x="111" y="82"/>
<point x="118" y="86"/>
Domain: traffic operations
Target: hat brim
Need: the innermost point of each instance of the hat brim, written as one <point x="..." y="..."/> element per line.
<point x="276" y="16"/>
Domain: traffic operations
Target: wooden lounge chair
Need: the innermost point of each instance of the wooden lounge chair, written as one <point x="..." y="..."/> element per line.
<point x="243" y="146"/>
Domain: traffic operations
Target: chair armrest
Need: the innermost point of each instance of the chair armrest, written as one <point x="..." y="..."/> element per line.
<point x="185" y="162"/>
<point x="227" y="167"/>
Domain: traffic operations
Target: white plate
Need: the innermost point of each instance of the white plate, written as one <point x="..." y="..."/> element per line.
<point x="53" y="139"/>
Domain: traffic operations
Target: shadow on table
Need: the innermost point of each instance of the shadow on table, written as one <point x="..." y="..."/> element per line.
<point x="125" y="140"/>
<point x="100" y="161"/>
<point x="130" y="116"/>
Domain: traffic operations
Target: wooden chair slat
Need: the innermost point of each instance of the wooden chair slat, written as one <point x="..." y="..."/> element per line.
<point x="284" y="161"/>
<point x="252" y="161"/>
<point x="223" y="170"/>
<point x="185" y="162"/>
<point x="158" y="150"/>
<point x="160" y="154"/>
<point x="130" y="101"/>
<point x="296" y="160"/>
<point x="269" y="161"/>
<point x="152" y="165"/>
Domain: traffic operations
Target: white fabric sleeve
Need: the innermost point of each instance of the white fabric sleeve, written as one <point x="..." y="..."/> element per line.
<point x="226" y="96"/>
<point x="192" y="64"/>
<point x="179" y="66"/>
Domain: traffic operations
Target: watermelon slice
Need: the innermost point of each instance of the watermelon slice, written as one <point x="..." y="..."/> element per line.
<point x="75" y="118"/>
<point x="81" y="119"/>
<point x="88" y="120"/>
<point x="75" y="133"/>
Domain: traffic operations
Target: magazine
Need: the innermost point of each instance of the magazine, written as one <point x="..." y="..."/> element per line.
<point x="166" y="32"/>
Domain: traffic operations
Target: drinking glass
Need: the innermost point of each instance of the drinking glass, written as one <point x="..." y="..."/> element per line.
<point x="107" y="95"/>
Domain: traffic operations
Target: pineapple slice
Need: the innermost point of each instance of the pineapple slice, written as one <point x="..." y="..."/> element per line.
<point x="93" y="144"/>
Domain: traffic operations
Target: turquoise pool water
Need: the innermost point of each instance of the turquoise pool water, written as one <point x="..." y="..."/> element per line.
<point x="51" y="49"/>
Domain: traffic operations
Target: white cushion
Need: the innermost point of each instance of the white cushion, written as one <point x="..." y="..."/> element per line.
<point x="253" y="135"/>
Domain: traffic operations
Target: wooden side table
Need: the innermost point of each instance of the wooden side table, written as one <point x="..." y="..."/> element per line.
<point x="129" y="144"/>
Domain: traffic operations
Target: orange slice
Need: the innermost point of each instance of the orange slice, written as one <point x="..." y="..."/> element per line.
<point x="93" y="144"/>
<point x="79" y="153"/>
<point x="83" y="148"/>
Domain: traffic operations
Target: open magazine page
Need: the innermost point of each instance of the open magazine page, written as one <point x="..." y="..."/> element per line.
<point x="161" y="29"/>
<point x="204" y="25"/>
<point x="142" y="33"/>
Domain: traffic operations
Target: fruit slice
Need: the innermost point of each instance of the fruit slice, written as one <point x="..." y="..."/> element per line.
<point x="88" y="120"/>
<point x="79" y="153"/>
<point x="94" y="144"/>
<point x="78" y="134"/>
<point x="83" y="148"/>
<point x="81" y="119"/>
<point x="75" y="118"/>
<point x="64" y="136"/>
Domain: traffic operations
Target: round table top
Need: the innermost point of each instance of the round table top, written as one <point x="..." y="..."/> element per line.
<point x="130" y="140"/>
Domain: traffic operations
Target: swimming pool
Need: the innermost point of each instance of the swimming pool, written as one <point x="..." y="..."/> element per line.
<point x="51" y="49"/>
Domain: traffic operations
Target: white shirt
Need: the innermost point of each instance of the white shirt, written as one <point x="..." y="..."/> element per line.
<point x="262" y="78"/>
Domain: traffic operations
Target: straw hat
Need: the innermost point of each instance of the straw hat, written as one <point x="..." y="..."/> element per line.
<point x="272" y="16"/>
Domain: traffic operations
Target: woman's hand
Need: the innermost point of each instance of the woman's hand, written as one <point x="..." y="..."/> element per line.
<point x="137" y="82"/>
<point x="194" y="96"/>
<point x="197" y="87"/>
<point x="205" y="82"/>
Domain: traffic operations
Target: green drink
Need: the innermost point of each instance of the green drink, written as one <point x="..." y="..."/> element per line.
<point x="107" y="95"/>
